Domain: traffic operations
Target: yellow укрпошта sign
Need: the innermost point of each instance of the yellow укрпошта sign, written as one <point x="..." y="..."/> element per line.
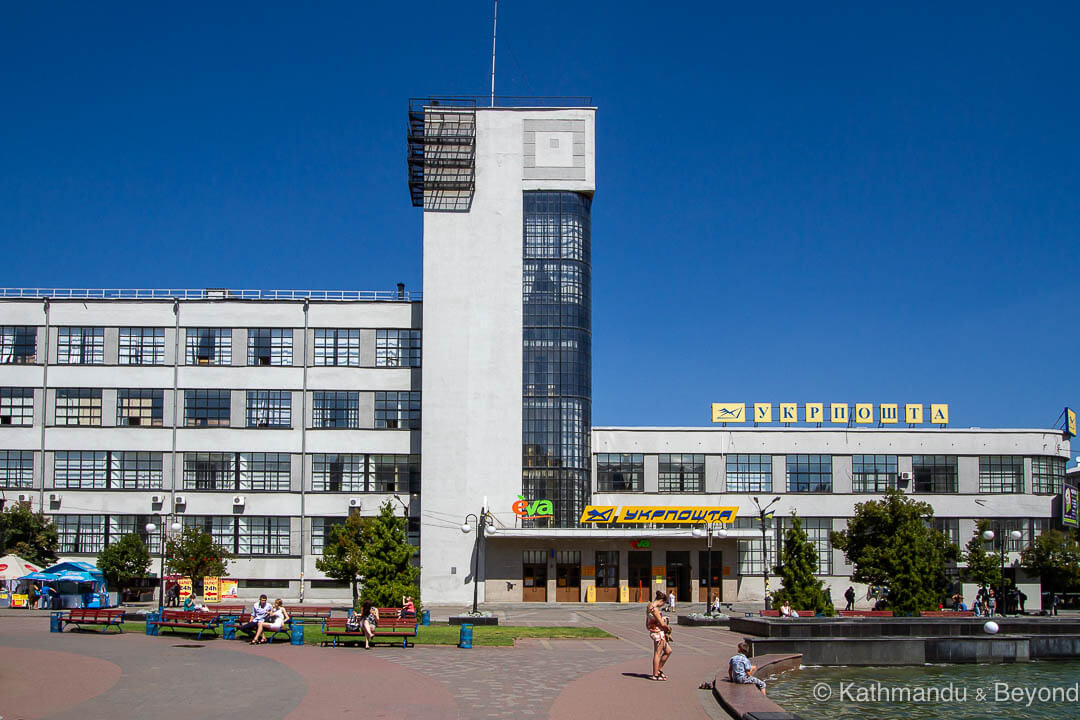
<point x="837" y="413"/>
<point x="670" y="515"/>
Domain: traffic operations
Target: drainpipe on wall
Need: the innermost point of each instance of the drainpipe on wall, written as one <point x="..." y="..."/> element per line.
<point x="303" y="451"/>
<point x="44" y="405"/>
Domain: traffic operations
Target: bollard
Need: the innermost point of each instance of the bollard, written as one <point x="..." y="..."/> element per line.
<point x="296" y="634"/>
<point x="465" y="637"/>
<point x="56" y="622"/>
<point x="151" y="618"/>
<point x="425" y="617"/>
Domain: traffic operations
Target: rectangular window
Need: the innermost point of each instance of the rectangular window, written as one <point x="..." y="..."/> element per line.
<point x="210" y="471"/>
<point x="265" y="471"/>
<point x="269" y="408"/>
<point x="682" y="473"/>
<point x="1047" y="475"/>
<point x="949" y="527"/>
<point x="335" y="409"/>
<point x="78" y="406"/>
<point x="270" y="346"/>
<point x="16" y="468"/>
<point x="263" y="536"/>
<point x="209" y="346"/>
<point x="80" y="346"/>
<point x="135" y="470"/>
<point x="17" y="406"/>
<point x="809" y="473"/>
<point x="873" y="473"/>
<point x="121" y="525"/>
<point x="620" y="472"/>
<point x="205" y="408"/>
<point x="1001" y="474"/>
<point x="749" y="473"/>
<point x="222" y="529"/>
<point x="397" y="348"/>
<point x="142" y="346"/>
<point x="338" y="473"/>
<point x="935" y="473"/>
<point x="397" y="410"/>
<point x="140" y="407"/>
<point x="18" y="344"/>
<point x="81" y="534"/>
<point x="81" y="469"/>
<point x="817" y="532"/>
<point x="337" y="347"/>
<point x="751" y="552"/>
<point x="395" y="473"/>
<point x="320" y="529"/>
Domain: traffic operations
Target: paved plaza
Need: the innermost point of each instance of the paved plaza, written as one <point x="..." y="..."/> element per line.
<point x="87" y="675"/>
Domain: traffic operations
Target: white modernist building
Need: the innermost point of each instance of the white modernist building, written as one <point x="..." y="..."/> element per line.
<point x="267" y="417"/>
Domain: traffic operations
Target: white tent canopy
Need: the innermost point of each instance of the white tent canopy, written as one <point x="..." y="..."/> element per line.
<point x="13" y="567"/>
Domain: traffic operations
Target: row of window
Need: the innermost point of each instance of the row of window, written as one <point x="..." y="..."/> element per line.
<point x="625" y="472"/>
<point x="216" y="471"/>
<point x="210" y="346"/>
<point x="205" y="408"/>
<point x="320" y="529"/>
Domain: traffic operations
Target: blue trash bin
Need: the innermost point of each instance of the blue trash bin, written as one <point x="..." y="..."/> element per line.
<point x="296" y="635"/>
<point x="228" y="628"/>
<point x="425" y="617"/>
<point x="465" y="638"/>
<point x="151" y="618"/>
<point x="56" y="622"/>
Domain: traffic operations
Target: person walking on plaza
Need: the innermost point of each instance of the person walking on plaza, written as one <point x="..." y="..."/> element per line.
<point x="741" y="671"/>
<point x="849" y="596"/>
<point x="658" y="628"/>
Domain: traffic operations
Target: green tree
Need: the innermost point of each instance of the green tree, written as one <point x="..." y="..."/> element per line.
<point x="124" y="561"/>
<point x="891" y="542"/>
<point x="1055" y="557"/>
<point x="343" y="552"/>
<point x="387" y="569"/>
<point x="983" y="568"/>
<point x="194" y="554"/>
<point x="798" y="572"/>
<point x="28" y="534"/>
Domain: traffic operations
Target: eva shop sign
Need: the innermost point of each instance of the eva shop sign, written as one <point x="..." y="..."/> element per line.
<point x="526" y="510"/>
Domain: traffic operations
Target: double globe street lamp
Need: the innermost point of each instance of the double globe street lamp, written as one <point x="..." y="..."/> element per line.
<point x="485" y="524"/>
<point x="151" y="528"/>
<point x="708" y="530"/>
<point x="988" y="536"/>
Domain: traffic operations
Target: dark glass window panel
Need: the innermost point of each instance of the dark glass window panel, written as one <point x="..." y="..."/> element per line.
<point x="335" y="409"/>
<point x="270" y="346"/>
<point x="206" y="408"/>
<point x="18" y="344"/>
<point x="809" y="473"/>
<point x="873" y="473"/>
<point x="935" y="473"/>
<point x="209" y="346"/>
<point x="140" y="407"/>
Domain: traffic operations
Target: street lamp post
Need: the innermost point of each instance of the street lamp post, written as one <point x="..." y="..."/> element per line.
<point x="485" y="525"/>
<point x="763" y="515"/>
<point x="151" y="528"/>
<point x="721" y="532"/>
<point x="989" y="536"/>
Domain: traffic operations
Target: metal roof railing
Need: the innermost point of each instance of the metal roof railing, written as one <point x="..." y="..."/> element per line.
<point x="211" y="294"/>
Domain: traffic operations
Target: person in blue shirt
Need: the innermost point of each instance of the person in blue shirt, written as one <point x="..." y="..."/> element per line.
<point x="741" y="671"/>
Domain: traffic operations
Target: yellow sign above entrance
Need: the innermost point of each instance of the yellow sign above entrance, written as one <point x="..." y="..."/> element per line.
<point x="667" y="514"/>
<point x="816" y="413"/>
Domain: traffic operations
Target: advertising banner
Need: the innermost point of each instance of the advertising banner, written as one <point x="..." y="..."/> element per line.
<point x="185" y="588"/>
<point x="20" y="601"/>
<point x="227" y="588"/>
<point x="210" y="590"/>
<point x="1069" y="515"/>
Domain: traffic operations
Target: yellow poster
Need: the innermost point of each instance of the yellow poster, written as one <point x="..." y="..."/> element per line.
<point x="939" y="414"/>
<point x="20" y="600"/>
<point x="864" y="413"/>
<point x="227" y="588"/>
<point x="889" y="413"/>
<point x="728" y="412"/>
<point x="185" y="588"/>
<point x="913" y="414"/>
<point x="838" y="413"/>
<point x="789" y="412"/>
<point x="815" y="412"/>
<point x="1070" y="421"/>
<point x="210" y="590"/>
<point x="763" y="412"/>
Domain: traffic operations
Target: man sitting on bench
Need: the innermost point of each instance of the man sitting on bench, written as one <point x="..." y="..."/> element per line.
<point x="259" y="611"/>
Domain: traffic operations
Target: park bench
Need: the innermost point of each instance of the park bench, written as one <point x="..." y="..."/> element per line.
<point x="286" y="628"/>
<point x="391" y="627"/>
<point x="201" y="621"/>
<point x="776" y="613"/>
<point x="302" y="614"/>
<point x="947" y="613"/>
<point x="227" y="611"/>
<point x="866" y="613"/>
<point x="89" y="616"/>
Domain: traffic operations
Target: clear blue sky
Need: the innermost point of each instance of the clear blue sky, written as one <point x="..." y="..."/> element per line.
<point x="836" y="203"/>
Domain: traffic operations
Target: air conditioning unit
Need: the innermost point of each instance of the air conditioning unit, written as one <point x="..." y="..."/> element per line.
<point x="905" y="476"/>
<point x="180" y="500"/>
<point x="354" y="502"/>
<point x="157" y="499"/>
<point x="23" y="497"/>
<point x="54" y="497"/>
<point x="238" y="500"/>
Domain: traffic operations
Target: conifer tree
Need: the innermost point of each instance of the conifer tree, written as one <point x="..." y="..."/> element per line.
<point x="343" y="552"/>
<point x="798" y="566"/>
<point x="386" y="567"/>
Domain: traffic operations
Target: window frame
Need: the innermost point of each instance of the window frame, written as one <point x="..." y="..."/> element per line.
<point x="335" y="410"/>
<point x="18" y="344"/>
<point x="137" y="412"/>
<point x="141" y="346"/>
<point x="745" y="478"/>
<point x="397" y="347"/>
<point x="276" y="416"/>
<point x="794" y="477"/>
<point x="607" y="467"/>
<point x="212" y="344"/>
<point x="80" y="345"/>
<point x="677" y="478"/>
<point x="78" y="404"/>
<point x="208" y="401"/>
<point x="274" y="345"/>
<point x="397" y="410"/>
<point x="16" y="407"/>
<point x="883" y="473"/>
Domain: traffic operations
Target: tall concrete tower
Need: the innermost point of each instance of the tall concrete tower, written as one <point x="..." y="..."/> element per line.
<point x="507" y="194"/>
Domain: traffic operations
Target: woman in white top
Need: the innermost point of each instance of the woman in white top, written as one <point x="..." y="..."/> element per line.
<point x="274" y="621"/>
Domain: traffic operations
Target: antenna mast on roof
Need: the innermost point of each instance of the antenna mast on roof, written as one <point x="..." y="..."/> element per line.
<point x="494" y="26"/>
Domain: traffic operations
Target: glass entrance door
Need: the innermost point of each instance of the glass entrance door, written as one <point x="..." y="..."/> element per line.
<point x="678" y="574"/>
<point x="534" y="576"/>
<point x="639" y="575"/>
<point x="717" y="574"/>
<point x="607" y="576"/>
<point x="568" y="576"/>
